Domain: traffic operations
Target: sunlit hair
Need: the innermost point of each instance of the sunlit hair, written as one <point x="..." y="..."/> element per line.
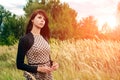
<point x="45" y="32"/>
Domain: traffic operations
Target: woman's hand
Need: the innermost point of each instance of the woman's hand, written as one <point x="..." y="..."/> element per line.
<point x="44" y="69"/>
<point x="55" y="66"/>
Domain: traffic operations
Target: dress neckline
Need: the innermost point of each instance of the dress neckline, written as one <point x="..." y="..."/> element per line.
<point x="35" y="34"/>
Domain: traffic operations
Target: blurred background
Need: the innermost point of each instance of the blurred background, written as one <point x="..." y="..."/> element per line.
<point x="85" y="37"/>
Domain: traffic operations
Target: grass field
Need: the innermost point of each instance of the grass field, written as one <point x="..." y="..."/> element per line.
<point x="78" y="60"/>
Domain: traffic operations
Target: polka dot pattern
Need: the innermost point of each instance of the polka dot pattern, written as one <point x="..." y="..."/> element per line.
<point x="38" y="54"/>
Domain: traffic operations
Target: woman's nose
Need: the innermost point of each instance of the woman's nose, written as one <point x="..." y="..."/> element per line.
<point x="42" y="20"/>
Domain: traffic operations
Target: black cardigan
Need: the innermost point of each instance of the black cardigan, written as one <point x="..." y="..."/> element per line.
<point x="24" y="45"/>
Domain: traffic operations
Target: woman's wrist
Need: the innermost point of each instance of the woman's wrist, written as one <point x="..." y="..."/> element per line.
<point x="39" y="69"/>
<point x="44" y="69"/>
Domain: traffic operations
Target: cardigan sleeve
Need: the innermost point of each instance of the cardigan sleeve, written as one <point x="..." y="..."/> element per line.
<point x="22" y="50"/>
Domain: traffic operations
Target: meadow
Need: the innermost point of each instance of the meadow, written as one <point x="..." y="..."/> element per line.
<point x="78" y="60"/>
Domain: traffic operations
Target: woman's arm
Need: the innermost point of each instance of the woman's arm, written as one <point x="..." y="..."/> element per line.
<point x="22" y="50"/>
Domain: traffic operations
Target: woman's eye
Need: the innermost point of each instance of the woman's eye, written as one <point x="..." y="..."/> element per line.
<point x="39" y="17"/>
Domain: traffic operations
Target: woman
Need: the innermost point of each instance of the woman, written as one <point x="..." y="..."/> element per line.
<point x="34" y="45"/>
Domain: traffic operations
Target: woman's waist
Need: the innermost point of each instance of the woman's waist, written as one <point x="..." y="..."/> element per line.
<point x="39" y="63"/>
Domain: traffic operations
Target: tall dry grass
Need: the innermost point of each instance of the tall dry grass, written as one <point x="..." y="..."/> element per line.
<point x="78" y="60"/>
<point x="87" y="59"/>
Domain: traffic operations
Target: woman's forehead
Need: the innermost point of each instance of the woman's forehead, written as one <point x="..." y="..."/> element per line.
<point x="40" y="14"/>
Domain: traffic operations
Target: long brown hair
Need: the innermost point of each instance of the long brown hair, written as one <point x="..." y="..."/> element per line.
<point x="45" y="31"/>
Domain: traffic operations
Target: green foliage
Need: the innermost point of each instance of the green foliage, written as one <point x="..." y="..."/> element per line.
<point x="31" y="6"/>
<point x="1" y="13"/>
<point x="12" y="28"/>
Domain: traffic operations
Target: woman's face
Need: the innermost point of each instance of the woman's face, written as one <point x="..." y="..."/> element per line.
<point x="39" y="21"/>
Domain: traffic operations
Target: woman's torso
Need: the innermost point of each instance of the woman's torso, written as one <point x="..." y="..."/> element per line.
<point x="39" y="55"/>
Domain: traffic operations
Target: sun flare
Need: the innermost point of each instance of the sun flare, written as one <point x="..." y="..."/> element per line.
<point x="111" y="22"/>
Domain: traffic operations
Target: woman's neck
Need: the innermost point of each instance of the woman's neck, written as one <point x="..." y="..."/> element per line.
<point x="35" y="30"/>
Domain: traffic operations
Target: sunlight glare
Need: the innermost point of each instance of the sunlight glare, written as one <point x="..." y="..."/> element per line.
<point x="111" y="21"/>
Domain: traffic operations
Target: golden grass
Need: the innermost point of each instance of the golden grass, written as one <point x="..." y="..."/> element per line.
<point x="87" y="59"/>
<point x="78" y="60"/>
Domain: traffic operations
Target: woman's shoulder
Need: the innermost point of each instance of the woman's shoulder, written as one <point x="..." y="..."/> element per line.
<point x="27" y="40"/>
<point x="27" y="37"/>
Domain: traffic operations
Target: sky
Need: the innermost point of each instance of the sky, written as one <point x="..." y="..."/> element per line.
<point x="103" y="10"/>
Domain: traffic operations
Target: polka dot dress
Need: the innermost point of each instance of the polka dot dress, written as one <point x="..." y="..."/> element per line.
<point x="38" y="55"/>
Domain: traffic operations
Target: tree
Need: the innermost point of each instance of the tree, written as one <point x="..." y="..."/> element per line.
<point x="65" y="22"/>
<point x="59" y="14"/>
<point x="88" y="27"/>
<point x="12" y="27"/>
<point x="32" y="5"/>
<point x="2" y="14"/>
